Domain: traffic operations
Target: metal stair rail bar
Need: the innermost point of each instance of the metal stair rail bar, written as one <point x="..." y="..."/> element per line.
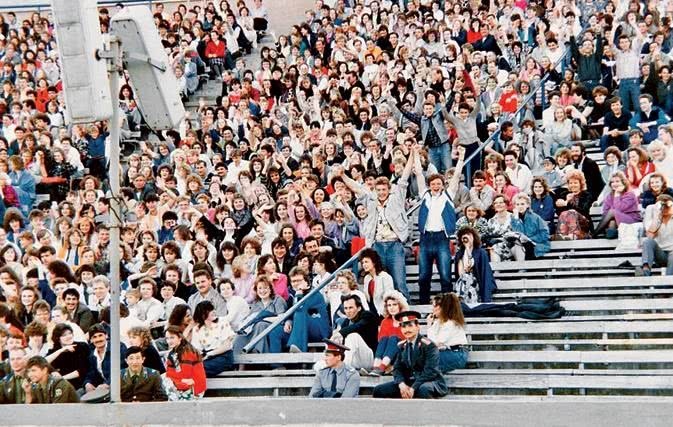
<point x="282" y="318"/>
<point x="519" y="110"/>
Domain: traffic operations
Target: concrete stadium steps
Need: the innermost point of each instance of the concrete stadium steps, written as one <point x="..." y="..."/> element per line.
<point x="489" y="382"/>
<point x="616" y="338"/>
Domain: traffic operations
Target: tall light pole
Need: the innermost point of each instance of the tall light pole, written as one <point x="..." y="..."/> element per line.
<point x="115" y="67"/>
<point x="89" y="70"/>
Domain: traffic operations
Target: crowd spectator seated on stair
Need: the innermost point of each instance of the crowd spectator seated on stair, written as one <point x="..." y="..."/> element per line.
<point x="310" y="157"/>
<point x="657" y="247"/>
<point x="446" y="329"/>
<point x="619" y="207"/>
<point x="655" y="186"/>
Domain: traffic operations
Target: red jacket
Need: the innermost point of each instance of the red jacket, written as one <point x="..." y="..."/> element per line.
<point x="190" y="368"/>
<point x="215" y="49"/>
<point x="10" y="196"/>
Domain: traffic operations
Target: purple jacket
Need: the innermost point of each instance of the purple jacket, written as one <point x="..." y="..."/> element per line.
<point x="625" y="207"/>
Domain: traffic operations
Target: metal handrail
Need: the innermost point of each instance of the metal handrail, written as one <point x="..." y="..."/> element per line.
<point x="283" y="317"/>
<point x="523" y="105"/>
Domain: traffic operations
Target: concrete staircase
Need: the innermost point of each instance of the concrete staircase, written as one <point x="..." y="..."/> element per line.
<point x="616" y="338"/>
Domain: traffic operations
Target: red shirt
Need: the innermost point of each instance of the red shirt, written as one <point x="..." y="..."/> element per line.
<point x="190" y="368"/>
<point x="215" y="49"/>
<point x="388" y="329"/>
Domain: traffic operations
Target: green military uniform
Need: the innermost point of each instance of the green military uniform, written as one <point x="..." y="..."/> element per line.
<point x="144" y="387"/>
<point x="57" y="390"/>
<point x="4" y="369"/>
<point x="11" y="389"/>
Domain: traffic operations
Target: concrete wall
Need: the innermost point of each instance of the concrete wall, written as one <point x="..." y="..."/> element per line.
<point x="587" y="411"/>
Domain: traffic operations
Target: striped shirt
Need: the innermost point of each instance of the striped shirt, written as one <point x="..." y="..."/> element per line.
<point x="628" y="63"/>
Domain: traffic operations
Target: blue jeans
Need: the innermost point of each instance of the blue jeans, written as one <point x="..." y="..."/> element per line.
<point x="440" y="157"/>
<point x="629" y="91"/>
<point x="654" y="255"/>
<point x="387" y="348"/>
<point x="450" y="360"/>
<point x="473" y="165"/>
<point x="392" y="256"/>
<point x="434" y="247"/>
<point x="622" y="142"/>
<point x="307" y="328"/>
<point x="218" y="364"/>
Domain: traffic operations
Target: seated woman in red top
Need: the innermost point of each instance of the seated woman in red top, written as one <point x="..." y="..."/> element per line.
<point x="185" y="375"/>
<point x="638" y="166"/>
<point x="390" y="333"/>
<point x="216" y="55"/>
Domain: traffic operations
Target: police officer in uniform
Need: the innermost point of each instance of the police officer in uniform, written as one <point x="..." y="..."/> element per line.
<point x="46" y="388"/>
<point x="11" y="386"/>
<point x="140" y="384"/>
<point x="416" y="374"/>
<point x="337" y="379"/>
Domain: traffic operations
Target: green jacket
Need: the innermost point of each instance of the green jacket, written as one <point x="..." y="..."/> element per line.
<point x="588" y="67"/>
<point x="56" y="391"/>
<point x="147" y="387"/>
<point x="11" y="389"/>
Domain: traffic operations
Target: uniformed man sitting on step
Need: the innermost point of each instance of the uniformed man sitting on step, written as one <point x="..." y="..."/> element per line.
<point x="46" y="388"/>
<point x="337" y="379"/>
<point x="11" y="386"/>
<point x="416" y="374"/>
<point x="140" y="384"/>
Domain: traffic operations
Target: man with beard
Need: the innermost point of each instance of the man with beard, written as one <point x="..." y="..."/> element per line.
<point x="589" y="168"/>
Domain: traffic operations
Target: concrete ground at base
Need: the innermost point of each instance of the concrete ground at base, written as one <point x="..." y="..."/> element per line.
<point x="355" y="412"/>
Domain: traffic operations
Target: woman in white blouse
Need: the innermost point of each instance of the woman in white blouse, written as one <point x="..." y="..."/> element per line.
<point x="213" y="338"/>
<point x="237" y="308"/>
<point x="377" y="282"/>
<point x="446" y="330"/>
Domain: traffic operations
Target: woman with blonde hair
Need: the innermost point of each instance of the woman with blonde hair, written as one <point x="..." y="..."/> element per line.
<point x="620" y="206"/>
<point x="446" y="328"/>
<point x="242" y="279"/>
<point x="390" y="333"/>
<point x="662" y="157"/>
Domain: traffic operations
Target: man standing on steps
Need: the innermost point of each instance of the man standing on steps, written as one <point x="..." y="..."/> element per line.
<point x="436" y="223"/>
<point x="336" y="379"/>
<point x="588" y="60"/>
<point x="416" y="374"/>
<point x="386" y="227"/>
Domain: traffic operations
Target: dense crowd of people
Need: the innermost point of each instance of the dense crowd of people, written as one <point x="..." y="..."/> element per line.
<point x="478" y="113"/>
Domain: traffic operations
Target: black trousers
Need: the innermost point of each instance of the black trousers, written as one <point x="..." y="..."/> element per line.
<point x="391" y="390"/>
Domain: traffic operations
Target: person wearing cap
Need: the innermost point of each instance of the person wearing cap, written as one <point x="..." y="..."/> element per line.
<point x="336" y="379"/>
<point x="416" y="374"/>
<point x="658" y="243"/>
